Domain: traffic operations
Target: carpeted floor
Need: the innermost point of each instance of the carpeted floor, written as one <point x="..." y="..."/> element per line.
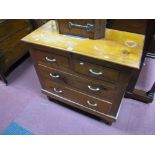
<point x="23" y="103"/>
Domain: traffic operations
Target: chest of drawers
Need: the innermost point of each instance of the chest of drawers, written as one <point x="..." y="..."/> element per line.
<point x="82" y="72"/>
<point x="11" y="48"/>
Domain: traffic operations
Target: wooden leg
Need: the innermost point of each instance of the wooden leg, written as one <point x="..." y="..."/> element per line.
<point x="143" y="96"/>
<point x="3" y="78"/>
<point x="107" y="122"/>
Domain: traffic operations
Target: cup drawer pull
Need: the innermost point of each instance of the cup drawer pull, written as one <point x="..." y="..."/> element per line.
<point x="93" y="88"/>
<point x="95" y="73"/>
<point x="57" y="90"/>
<point x="92" y="103"/>
<point x="81" y="63"/>
<point x="50" y="60"/>
<point x="55" y="76"/>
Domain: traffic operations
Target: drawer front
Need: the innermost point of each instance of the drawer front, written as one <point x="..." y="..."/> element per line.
<point x="12" y="55"/>
<point x="50" y="59"/>
<point x="68" y="26"/>
<point x="14" y="39"/>
<point x="100" y="90"/>
<point x="78" y="97"/>
<point x="11" y="26"/>
<point x="97" y="72"/>
<point x="89" y="28"/>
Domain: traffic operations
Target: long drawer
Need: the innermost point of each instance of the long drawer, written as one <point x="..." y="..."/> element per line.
<point x="77" y="97"/>
<point x="102" y="90"/>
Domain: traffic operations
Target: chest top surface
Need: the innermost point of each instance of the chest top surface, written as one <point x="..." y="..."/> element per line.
<point x="118" y="47"/>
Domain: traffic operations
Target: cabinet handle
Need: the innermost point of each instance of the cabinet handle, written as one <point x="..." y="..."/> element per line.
<point x="50" y="60"/>
<point x="93" y="89"/>
<point x="88" y="27"/>
<point x="57" y="90"/>
<point x="56" y="76"/>
<point x="81" y="63"/>
<point x="95" y="73"/>
<point x="93" y="104"/>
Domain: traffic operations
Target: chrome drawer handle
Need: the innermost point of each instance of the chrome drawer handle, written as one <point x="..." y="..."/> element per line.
<point x="93" y="104"/>
<point x="50" y="60"/>
<point x="93" y="89"/>
<point x="57" y="90"/>
<point x="88" y="27"/>
<point x="81" y="63"/>
<point x="54" y="76"/>
<point x="95" y="73"/>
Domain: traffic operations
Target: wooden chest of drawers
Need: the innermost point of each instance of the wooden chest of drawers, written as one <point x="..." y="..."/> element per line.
<point x="82" y="78"/>
<point x="11" y="49"/>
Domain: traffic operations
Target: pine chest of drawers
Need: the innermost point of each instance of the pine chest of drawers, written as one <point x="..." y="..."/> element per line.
<point x="91" y="75"/>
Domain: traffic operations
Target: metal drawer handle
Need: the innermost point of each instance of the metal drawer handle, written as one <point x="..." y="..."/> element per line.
<point x="93" y="104"/>
<point x="57" y="90"/>
<point x="93" y="89"/>
<point x="50" y="60"/>
<point x="88" y="27"/>
<point x="95" y="73"/>
<point x="56" y="76"/>
<point x="81" y="63"/>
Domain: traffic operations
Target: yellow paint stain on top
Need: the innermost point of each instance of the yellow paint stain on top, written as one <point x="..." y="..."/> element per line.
<point x="118" y="47"/>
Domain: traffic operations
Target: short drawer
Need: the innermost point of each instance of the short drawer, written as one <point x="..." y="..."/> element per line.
<point x="95" y="71"/>
<point x="50" y="59"/>
<point x="102" y="90"/>
<point x="90" y="28"/>
<point x="78" y="97"/>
